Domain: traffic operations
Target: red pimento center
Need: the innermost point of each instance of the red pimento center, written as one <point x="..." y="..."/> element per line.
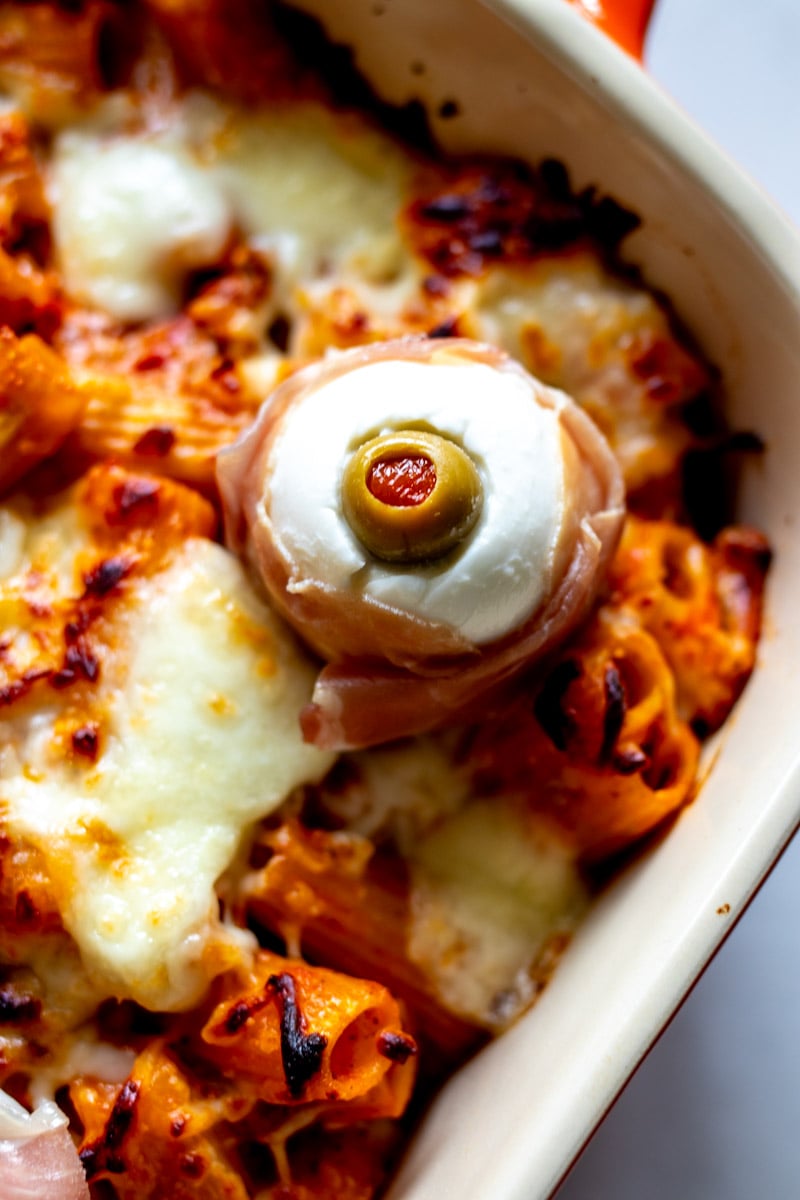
<point x="402" y="482"/>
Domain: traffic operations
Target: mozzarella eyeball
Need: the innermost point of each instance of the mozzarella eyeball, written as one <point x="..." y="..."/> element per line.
<point x="425" y="509"/>
<point x="489" y="437"/>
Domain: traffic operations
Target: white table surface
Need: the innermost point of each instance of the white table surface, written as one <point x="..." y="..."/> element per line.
<point x="714" y="1111"/>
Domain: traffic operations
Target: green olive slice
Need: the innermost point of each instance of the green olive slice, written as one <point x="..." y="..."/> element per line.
<point x="411" y="496"/>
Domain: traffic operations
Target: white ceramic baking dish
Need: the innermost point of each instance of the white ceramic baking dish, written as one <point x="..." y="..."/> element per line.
<point x="532" y="78"/>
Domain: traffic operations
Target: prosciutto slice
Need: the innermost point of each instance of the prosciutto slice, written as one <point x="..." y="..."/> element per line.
<point x="38" y="1159"/>
<point x="389" y="673"/>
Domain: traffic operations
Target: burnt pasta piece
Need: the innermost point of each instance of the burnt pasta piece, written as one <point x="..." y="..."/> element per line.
<point x="297" y="1034"/>
<point x="301" y="1052"/>
<point x="602" y="751"/>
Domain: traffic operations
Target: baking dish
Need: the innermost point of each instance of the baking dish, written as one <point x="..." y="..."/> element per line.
<point x="532" y="78"/>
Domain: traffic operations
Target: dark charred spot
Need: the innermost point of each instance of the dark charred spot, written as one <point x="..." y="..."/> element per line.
<point x="397" y="1047"/>
<point x="79" y="663"/>
<point x="152" y="361"/>
<point x="490" y="210"/>
<point x="17" y="1008"/>
<point x="156" y="442"/>
<point x="259" y="856"/>
<point x="616" y="707"/>
<point x="177" y="1126"/>
<point x="74" y="629"/>
<point x="25" y="910"/>
<point x="445" y="329"/>
<point x="555" y="178"/>
<point x="607" y="221"/>
<point x="89" y="1160"/>
<point x="11" y="692"/>
<point x="700" y="727"/>
<point x="102" y="1155"/>
<point x="136" y="498"/>
<point x="554" y="226"/>
<point x="193" y="1166"/>
<point x="279" y="333"/>
<point x="488" y="242"/>
<point x="117" y="51"/>
<point x="743" y="441"/>
<point x="301" y="1052"/>
<point x="558" y="724"/>
<point x="334" y="64"/>
<point x="238" y="1015"/>
<point x="95" y="1159"/>
<point x="224" y="374"/>
<point x="355" y="323"/>
<point x="446" y="209"/>
<point x="86" y="740"/>
<point x="449" y="109"/>
<point x="662" y="390"/>
<point x="105" y="576"/>
<point x="121" y="1118"/>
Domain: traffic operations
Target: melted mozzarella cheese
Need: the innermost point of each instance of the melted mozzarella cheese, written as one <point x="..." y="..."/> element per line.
<point x="201" y="738"/>
<point x="491" y="892"/>
<point x="130" y="218"/>
<point x="134" y="211"/>
<point x="501" y="572"/>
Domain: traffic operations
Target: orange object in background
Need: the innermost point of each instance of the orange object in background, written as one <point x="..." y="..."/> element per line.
<point x="623" y="20"/>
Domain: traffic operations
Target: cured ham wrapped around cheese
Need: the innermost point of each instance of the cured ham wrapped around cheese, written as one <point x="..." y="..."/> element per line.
<point x="37" y="1154"/>
<point x="429" y="518"/>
